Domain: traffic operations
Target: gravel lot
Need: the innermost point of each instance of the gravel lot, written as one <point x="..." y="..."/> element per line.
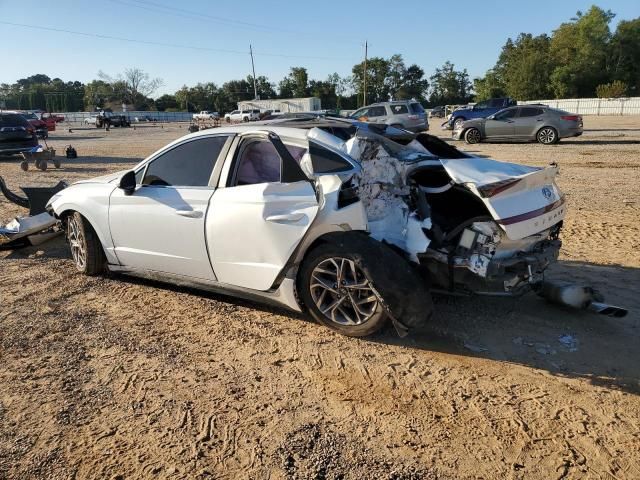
<point x="122" y="378"/>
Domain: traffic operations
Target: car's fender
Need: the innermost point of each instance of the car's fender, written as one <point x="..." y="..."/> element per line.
<point x="91" y="200"/>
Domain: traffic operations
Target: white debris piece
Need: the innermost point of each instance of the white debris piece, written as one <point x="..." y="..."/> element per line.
<point x="24" y="226"/>
<point x="384" y="194"/>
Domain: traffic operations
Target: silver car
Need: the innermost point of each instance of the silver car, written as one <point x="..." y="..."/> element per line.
<point x="407" y="114"/>
<point x="523" y="123"/>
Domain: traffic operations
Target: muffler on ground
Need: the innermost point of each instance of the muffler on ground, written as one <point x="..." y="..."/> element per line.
<point x="579" y="297"/>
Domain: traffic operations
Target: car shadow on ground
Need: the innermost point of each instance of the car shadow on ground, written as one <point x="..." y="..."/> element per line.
<point x="530" y="331"/>
<point x="599" y="142"/>
<point x="526" y="331"/>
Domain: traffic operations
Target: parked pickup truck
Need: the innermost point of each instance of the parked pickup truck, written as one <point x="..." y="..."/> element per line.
<point x="479" y="110"/>
<point x="206" y="115"/>
<point x="243" y="116"/>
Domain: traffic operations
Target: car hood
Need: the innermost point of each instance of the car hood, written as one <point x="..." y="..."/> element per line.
<point x="104" y="178"/>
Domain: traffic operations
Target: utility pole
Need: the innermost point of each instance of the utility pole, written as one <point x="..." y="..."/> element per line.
<point x="364" y="76"/>
<point x="255" y="88"/>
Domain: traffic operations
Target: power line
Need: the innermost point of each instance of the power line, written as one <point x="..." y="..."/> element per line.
<point x="162" y="44"/>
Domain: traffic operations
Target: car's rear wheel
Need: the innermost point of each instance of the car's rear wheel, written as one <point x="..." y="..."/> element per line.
<point x="457" y="123"/>
<point x="547" y="136"/>
<point x="86" y="250"/>
<point x="338" y="293"/>
<point x="472" y="136"/>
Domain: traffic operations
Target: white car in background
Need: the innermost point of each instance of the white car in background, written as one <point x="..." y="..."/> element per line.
<point x="206" y="115"/>
<point x="243" y="116"/>
<point x="329" y="217"/>
<point x="90" y="120"/>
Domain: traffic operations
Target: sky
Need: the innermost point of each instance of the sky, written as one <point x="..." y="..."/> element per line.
<point x="324" y="36"/>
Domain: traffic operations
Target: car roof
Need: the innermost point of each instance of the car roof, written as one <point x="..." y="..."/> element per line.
<point x="290" y="132"/>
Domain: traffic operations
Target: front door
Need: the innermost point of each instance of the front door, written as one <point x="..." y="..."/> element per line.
<point x="258" y="218"/>
<point x="501" y="124"/>
<point x="160" y="226"/>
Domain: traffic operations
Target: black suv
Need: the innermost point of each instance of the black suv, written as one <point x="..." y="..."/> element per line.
<point x="16" y="134"/>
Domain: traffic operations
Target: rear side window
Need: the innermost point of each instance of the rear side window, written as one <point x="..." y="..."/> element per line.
<point x="13" y="121"/>
<point x="188" y="165"/>
<point x="416" y="108"/>
<point x="377" y="111"/>
<point x="530" y="112"/>
<point x="326" y="161"/>
<point x="398" y="109"/>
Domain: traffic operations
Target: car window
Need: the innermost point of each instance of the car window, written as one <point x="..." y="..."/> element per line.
<point x="259" y="162"/>
<point x="398" y="109"/>
<point x="417" y="108"/>
<point x="188" y="164"/>
<point x="378" y="111"/>
<point x="530" y="112"/>
<point x="13" y="121"/>
<point x="360" y="113"/>
<point x="326" y="161"/>
<point x="481" y="105"/>
<point x="506" y="114"/>
<point x="497" y="103"/>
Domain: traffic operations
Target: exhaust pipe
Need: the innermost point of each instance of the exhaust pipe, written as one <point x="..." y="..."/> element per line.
<point x="578" y="297"/>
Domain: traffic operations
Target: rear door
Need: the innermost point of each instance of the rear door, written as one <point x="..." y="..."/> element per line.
<point x="501" y="125"/>
<point x="160" y="226"/>
<point x="263" y="207"/>
<point x="527" y="122"/>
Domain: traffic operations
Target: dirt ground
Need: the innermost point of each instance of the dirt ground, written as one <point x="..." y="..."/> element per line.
<point x="118" y="378"/>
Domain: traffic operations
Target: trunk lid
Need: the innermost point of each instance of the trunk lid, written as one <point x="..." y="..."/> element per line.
<point x="523" y="200"/>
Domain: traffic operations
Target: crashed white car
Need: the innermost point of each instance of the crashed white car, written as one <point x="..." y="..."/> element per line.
<point x="325" y="216"/>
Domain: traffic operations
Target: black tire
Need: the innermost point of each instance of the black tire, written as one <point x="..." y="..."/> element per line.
<point x="547" y="136"/>
<point x="316" y="257"/>
<point x="90" y="258"/>
<point x="399" y="288"/>
<point x="472" y="136"/>
<point x="43" y="165"/>
<point x="24" y="165"/>
<point x="56" y="162"/>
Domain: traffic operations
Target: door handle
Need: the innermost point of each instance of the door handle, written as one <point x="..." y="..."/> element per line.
<point x="286" y="218"/>
<point x="189" y="213"/>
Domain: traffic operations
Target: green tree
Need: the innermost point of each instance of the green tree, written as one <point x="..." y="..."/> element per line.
<point x="449" y="86"/>
<point x="296" y="84"/>
<point x="377" y="79"/>
<point x="624" y="58"/>
<point x="264" y="87"/>
<point x="489" y="86"/>
<point x="615" y="89"/>
<point x="579" y="51"/>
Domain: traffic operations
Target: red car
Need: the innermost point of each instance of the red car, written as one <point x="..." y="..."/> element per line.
<point x="41" y="127"/>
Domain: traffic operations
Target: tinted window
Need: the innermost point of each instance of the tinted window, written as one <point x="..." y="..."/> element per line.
<point x="398" y="109"/>
<point x="258" y="162"/>
<point x="506" y="114"/>
<point x="497" y="103"/>
<point x="481" y="105"/>
<point x="377" y="111"/>
<point x="417" y="108"/>
<point x="530" y="112"/>
<point x="13" y="121"/>
<point x="326" y="161"/>
<point x="360" y="113"/>
<point x="189" y="164"/>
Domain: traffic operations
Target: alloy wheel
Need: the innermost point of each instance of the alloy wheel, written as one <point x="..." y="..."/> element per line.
<point x="547" y="135"/>
<point x="75" y="235"/>
<point x="342" y="292"/>
<point x="473" y="136"/>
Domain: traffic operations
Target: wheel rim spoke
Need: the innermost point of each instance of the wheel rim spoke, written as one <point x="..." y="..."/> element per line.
<point x="342" y="292"/>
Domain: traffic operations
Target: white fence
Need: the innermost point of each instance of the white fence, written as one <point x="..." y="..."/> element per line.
<point x="594" y="106"/>
<point x="147" y="116"/>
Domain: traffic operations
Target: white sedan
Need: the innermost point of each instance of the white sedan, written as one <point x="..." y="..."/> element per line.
<point x="328" y="217"/>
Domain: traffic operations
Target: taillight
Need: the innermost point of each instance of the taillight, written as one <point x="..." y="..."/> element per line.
<point x="571" y="118"/>
<point x="495" y="188"/>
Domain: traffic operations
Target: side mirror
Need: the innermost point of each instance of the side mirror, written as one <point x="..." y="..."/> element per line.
<point x="128" y="182"/>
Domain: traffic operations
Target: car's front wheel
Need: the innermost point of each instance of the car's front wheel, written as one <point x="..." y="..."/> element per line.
<point x="457" y="124"/>
<point x="86" y="250"/>
<point x="338" y="293"/>
<point x="547" y="136"/>
<point x="472" y="136"/>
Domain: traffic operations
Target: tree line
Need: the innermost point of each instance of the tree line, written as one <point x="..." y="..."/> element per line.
<point x="581" y="58"/>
